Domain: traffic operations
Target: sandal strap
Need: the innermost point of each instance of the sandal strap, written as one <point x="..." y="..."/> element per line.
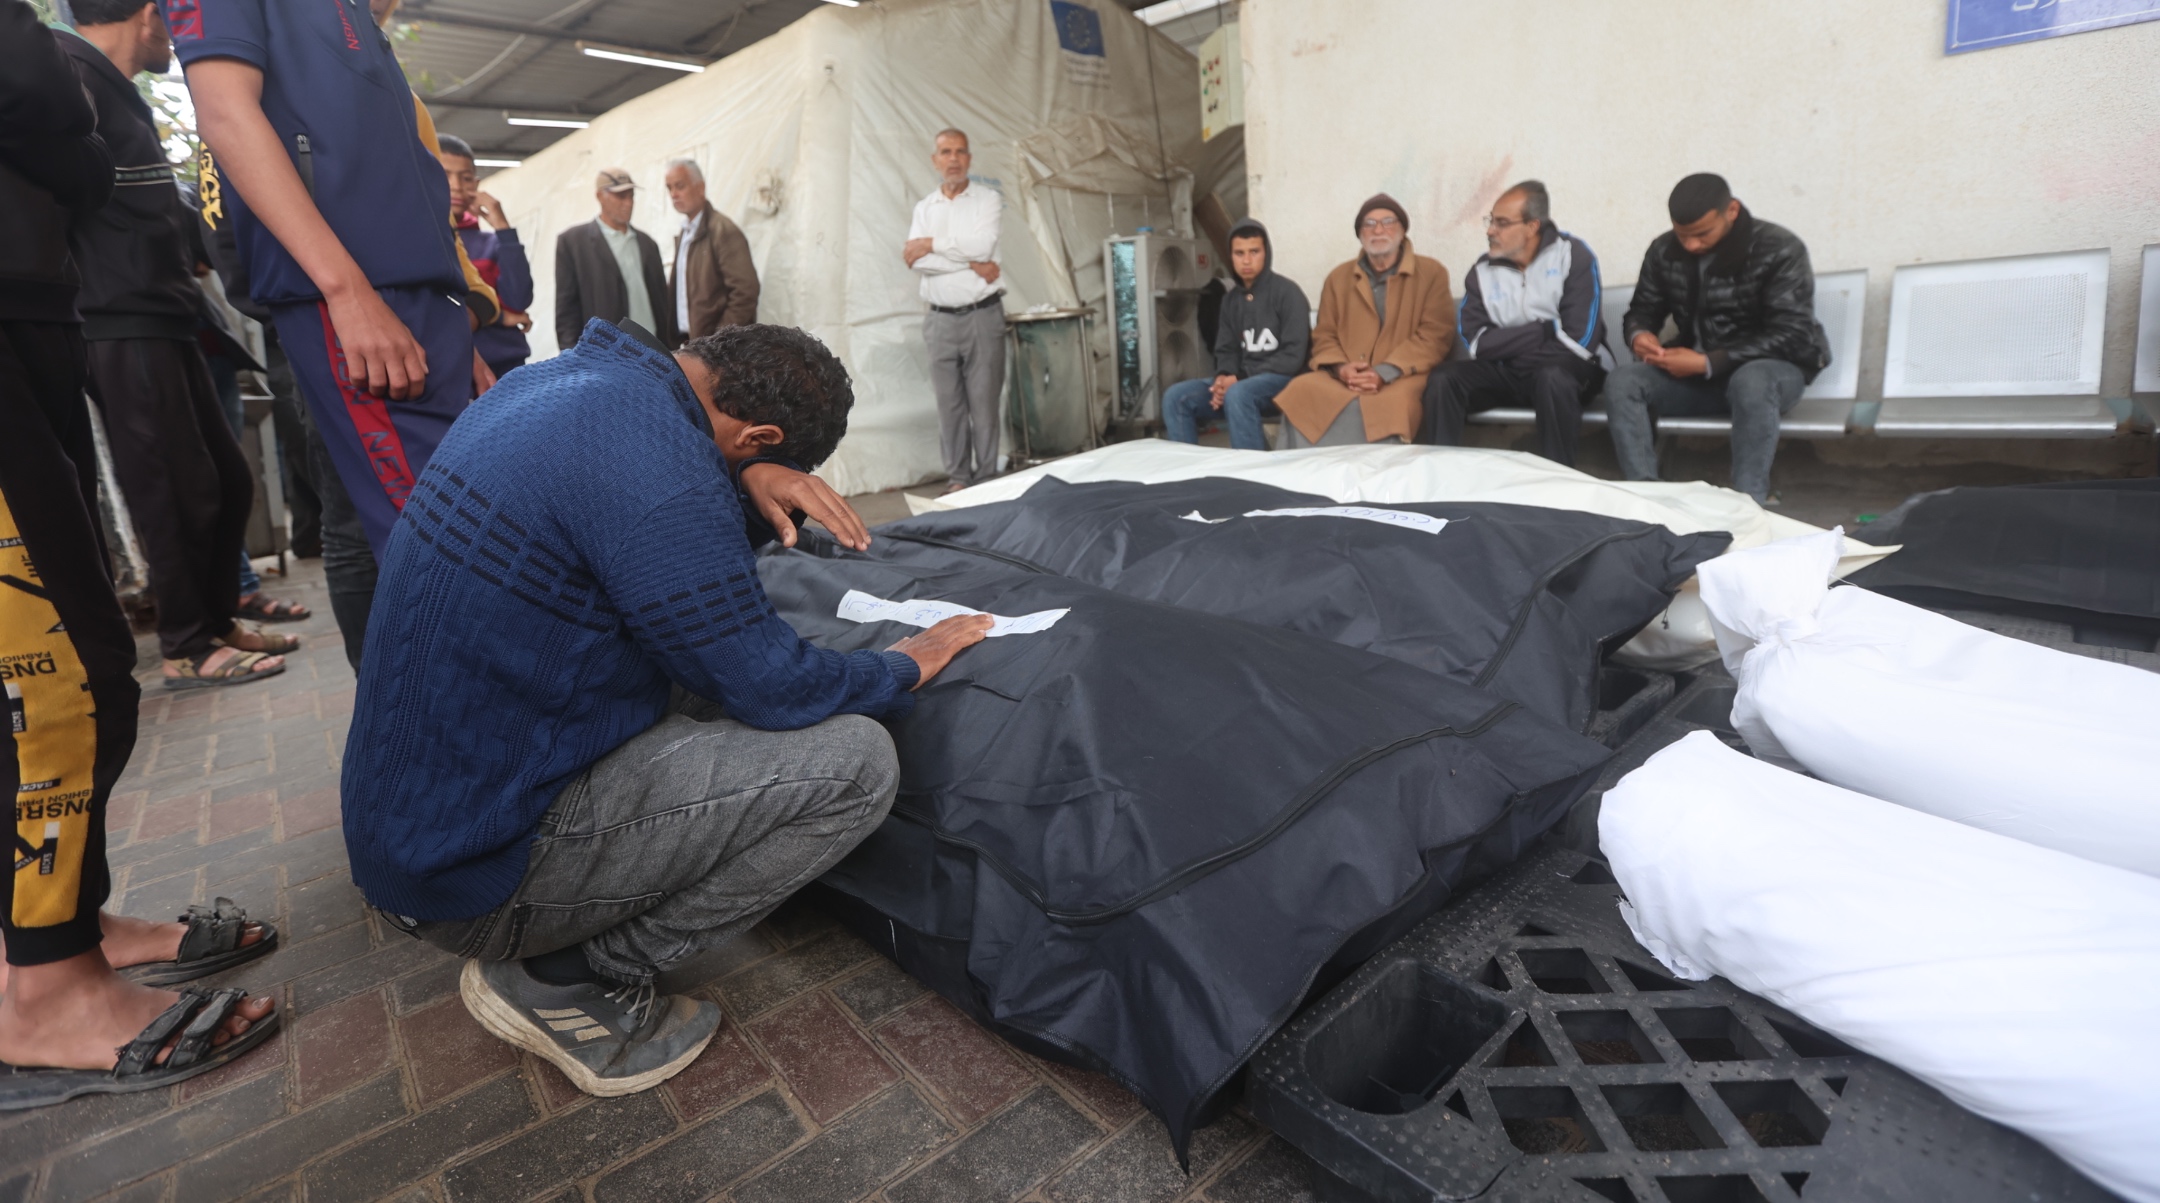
<point x="274" y="643"/>
<point x="211" y="930"/>
<point x="242" y="664"/>
<point x="195" y="1042"/>
<point x="141" y="1053"/>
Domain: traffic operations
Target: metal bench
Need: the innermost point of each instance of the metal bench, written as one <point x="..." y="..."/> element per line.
<point x="1999" y="348"/>
<point x="2145" y="378"/>
<point x="1825" y="410"/>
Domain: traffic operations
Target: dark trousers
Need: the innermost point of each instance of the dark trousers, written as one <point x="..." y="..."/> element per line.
<point x="379" y="446"/>
<point x="1461" y="387"/>
<point x="67" y="658"/>
<point x="185" y="480"/>
<point x="303" y="505"/>
<point x="349" y="568"/>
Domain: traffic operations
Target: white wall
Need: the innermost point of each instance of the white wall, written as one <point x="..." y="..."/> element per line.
<point x="1840" y="119"/>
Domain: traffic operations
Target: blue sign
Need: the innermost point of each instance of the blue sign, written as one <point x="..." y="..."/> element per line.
<point x="1985" y="24"/>
<point x="1079" y="28"/>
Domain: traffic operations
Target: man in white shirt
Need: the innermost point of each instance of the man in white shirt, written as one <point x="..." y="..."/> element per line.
<point x="953" y="245"/>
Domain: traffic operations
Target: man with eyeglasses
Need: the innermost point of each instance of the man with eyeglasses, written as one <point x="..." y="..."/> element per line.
<point x="1386" y="319"/>
<point x="1530" y="329"/>
<point x="1742" y="293"/>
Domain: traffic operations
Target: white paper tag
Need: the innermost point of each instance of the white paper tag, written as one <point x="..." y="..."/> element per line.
<point x="1402" y="518"/>
<point x="858" y="606"/>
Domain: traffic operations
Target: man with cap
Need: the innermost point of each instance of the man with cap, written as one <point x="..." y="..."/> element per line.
<point x="611" y="270"/>
<point x="1386" y="319"/>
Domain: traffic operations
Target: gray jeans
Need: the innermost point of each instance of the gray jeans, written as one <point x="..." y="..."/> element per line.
<point x="1756" y="394"/>
<point x="967" y="371"/>
<point x="684" y="837"/>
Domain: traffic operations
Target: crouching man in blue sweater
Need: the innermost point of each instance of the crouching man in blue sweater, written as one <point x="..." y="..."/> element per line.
<point x="584" y="745"/>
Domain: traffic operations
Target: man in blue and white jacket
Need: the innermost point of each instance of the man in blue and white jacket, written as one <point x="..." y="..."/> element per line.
<point x="1530" y="327"/>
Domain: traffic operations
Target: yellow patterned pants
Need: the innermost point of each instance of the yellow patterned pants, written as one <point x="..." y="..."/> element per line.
<point x="66" y="656"/>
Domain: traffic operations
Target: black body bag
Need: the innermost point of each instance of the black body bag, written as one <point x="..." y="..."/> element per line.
<point x="2083" y="552"/>
<point x="1521" y="600"/>
<point x="1138" y="840"/>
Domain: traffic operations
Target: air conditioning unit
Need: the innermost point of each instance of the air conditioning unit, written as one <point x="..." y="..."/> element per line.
<point x="1155" y="282"/>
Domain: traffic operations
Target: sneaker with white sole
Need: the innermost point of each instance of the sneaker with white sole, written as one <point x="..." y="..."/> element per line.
<point x="607" y="1039"/>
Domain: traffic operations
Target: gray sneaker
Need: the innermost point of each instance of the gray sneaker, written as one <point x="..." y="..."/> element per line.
<point x="608" y="1040"/>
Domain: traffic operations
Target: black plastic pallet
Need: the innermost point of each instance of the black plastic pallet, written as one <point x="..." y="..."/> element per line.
<point x="1520" y="1045"/>
<point x="1700" y="700"/>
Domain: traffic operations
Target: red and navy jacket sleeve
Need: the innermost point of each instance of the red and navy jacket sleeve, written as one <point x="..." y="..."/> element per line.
<point x="514" y="280"/>
<point x="218" y="29"/>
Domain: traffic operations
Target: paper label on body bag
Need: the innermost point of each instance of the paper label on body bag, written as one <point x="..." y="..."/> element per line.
<point x="1402" y="518"/>
<point x="858" y="606"/>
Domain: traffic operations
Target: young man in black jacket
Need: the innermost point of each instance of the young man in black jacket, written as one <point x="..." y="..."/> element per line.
<point x="1530" y="329"/>
<point x="187" y="484"/>
<point x="1261" y="339"/>
<point x="1742" y="292"/>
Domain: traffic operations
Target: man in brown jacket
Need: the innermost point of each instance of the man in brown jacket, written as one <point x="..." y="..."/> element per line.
<point x="1386" y="318"/>
<point x="715" y="284"/>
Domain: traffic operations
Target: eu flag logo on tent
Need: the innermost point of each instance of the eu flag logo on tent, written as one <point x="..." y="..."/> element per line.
<point x="1079" y="28"/>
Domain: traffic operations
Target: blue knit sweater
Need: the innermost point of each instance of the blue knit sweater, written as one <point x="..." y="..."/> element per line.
<point x="576" y="544"/>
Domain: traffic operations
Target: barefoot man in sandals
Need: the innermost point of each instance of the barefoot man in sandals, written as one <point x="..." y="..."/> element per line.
<point x="69" y="1023"/>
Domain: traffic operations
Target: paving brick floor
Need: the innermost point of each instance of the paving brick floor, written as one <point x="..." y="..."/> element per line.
<point x="835" y="1078"/>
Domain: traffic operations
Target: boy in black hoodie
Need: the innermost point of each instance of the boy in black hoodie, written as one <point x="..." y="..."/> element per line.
<point x="1261" y="340"/>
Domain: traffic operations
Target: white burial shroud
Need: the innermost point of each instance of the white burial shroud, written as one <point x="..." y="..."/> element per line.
<point x="2022" y="982"/>
<point x="1905" y="705"/>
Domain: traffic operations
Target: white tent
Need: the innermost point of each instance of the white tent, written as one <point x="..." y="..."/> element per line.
<point x="817" y="141"/>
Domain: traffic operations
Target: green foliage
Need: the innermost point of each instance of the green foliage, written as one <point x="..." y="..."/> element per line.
<point x="174" y="111"/>
<point x="403" y="34"/>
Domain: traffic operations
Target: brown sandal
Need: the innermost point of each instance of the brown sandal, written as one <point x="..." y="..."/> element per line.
<point x="264" y="608"/>
<point x="274" y="644"/>
<point x="237" y="671"/>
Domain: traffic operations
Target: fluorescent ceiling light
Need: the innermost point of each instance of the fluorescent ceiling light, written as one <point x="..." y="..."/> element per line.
<point x="641" y="60"/>
<point x="547" y="122"/>
<point x="1171" y="10"/>
<point x="846" y="3"/>
<point x="498" y="162"/>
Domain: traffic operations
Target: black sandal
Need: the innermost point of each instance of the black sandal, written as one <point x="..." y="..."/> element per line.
<point x="197" y="1017"/>
<point x="211" y="945"/>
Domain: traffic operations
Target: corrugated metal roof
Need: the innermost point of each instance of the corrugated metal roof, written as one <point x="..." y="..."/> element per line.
<point x="476" y="59"/>
<point x="473" y="60"/>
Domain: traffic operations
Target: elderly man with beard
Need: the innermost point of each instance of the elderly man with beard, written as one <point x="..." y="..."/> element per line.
<point x="1386" y="319"/>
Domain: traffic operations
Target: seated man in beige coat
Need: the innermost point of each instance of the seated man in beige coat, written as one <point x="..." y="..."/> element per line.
<point x="1386" y="318"/>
